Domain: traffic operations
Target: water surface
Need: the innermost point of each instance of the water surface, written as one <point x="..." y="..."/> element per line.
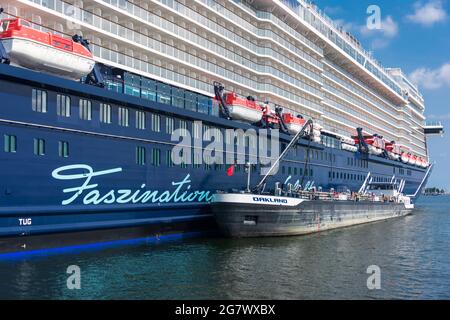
<point x="412" y="253"/>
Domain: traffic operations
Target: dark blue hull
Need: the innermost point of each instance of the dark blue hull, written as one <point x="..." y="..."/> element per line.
<point x="39" y="184"/>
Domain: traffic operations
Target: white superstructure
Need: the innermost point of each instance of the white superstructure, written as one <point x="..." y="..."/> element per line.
<point x="285" y="52"/>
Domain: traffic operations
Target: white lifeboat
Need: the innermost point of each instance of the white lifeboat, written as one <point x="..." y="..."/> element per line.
<point x="393" y="150"/>
<point x="348" y="143"/>
<point x="245" y="109"/>
<point x="347" y="140"/>
<point x="44" y="51"/>
<point x="293" y="124"/>
<point x="413" y="160"/>
<point x="374" y="143"/>
<point x="349" y="147"/>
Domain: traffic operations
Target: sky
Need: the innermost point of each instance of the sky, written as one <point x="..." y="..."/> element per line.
<point x="415" y="36"/>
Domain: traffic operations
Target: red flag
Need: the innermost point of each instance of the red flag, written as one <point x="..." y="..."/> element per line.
<point x="230" y="170"/>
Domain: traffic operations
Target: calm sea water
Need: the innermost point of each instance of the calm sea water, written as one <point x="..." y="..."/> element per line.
<point x="412" y="253"/>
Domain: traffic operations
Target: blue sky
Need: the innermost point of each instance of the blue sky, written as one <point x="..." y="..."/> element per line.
<point x="415" y="36"/>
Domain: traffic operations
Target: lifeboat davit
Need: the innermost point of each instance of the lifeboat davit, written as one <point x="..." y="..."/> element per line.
<point x="44" y="51"/>
<point x="270" y="118"/>
<point x="392" y="150"/>
<point x="245" y="109"/>
<point x="293" y="124"/>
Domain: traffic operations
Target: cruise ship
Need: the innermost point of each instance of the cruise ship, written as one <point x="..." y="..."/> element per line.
<point x="91" y="92"/>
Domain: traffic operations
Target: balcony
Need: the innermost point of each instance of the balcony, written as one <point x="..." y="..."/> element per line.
<point x="434" y="128"/>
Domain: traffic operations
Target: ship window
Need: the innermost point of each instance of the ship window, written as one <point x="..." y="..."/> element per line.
<point x="169" y="161"/>
<point x="178" y="98"/>
<point x="204" y="104"/>
<point x="39" y="147"/>
<point x="123" y="117"/>
<point x="63" y="149"/>
<point x="197" y="129"/>
<point x="191" y="101"/>
<point x="208" y="162"/>
<point x="156" y="122"/>
<point x="62" y="105"/>
<point x="163" y="94"/>
<point x="183" y="127"/>
<point x="132" y="84"/>
<point x="169" y="125"/>
<point x="156" y="157"/>
<point x="207" y="132"/>
<point x="10" y="143"/>
<point x="140" y="119"/>
<point x="39" y="100"/>
<point x="148" y="89"/>
<point x="183" y="163"/>
<point x="105" y="113"/>
<point x="140" y="156"/>
<point x="85" y="109"/>
<point x="197" y="159"/>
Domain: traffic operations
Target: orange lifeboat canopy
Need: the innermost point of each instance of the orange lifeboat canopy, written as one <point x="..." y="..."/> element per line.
<point x="245" y="109"/>
<point x="289" y="118"/>
<point x="44" y="51"/>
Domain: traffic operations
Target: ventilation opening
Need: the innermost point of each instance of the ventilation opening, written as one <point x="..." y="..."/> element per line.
<point x="251" y="220"/>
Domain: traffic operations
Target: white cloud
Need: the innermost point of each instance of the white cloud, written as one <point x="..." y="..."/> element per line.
<point x="432" y="78"/>
<point x="381" y="37"/>
<point x="429" y="13"/>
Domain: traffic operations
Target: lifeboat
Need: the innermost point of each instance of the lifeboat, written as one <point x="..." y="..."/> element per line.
<point x="413" y="160"/>
<point x="374" y="142"/>
<point x="392" y="150"/>
<point x="404" y="155"/>
<point x="348" y="144"/>
<point x="348" y="147"/>
<point x="245" y="109"/>
<point x="293" y="124"/>
<point x="347" y="140"/>
<point x="420" y="162"/>
<point x="44" y="51"/>
<point x="316" y="133"/>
